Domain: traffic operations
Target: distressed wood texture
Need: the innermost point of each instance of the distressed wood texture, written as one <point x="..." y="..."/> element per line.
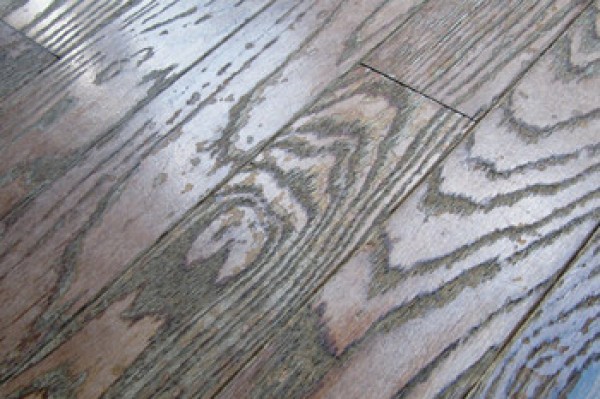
<point x="467" y="53"/>
<point x="134" y="186"/>
<point x="80" y="98"/>
<point x="20" y="59"/>
<point x="62" y="25"/>
<point x="253" y="253"/>
<point x="425" y="304"/>
<point x="556" y="353"/>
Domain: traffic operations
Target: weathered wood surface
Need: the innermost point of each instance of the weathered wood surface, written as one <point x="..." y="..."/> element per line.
<point x="67" y="109"/>
<point x="425" y="304"/>
<point x="251" y="254"/>
<point x="61" y="25"/>
<point x="20" y="59"/>
<point x="551" y="354"/>
<point x="467" y="53"/>
<point x="85" y="230"/>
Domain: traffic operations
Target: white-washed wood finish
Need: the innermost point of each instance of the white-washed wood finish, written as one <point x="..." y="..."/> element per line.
<point x="558" y="344"/>
<point x="256" y="250"/>
<point x="62" y="25"/>
<point x="20" y="60"/>
<point x="133" y="187"/>
<point x="68" y="108"/>
<point x="425" y="304"/>
<point x="467" y="53"/>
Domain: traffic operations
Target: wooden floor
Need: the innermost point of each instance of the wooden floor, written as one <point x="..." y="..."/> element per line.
<point x="300" y="198"/>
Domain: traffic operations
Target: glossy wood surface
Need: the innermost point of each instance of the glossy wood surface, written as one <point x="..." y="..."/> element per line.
<point x="298" y="198"/>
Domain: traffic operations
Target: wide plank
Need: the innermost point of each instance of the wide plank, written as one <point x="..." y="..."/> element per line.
<point x="423" y="307"/>
<point x="139" y="182"/>
<point x="253" y="253"/>
<point x="556" y="352"/>
<point x="20" y="59"/>
<point x="467" y="53"/>
<point x="63" y="112"/>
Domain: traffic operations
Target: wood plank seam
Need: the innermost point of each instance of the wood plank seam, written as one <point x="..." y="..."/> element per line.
<point x="385" y="75"/>
<point x="530" y="314"/>
<point x="496" y="100"/>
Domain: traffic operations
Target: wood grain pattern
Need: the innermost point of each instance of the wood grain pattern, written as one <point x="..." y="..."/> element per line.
<point x="467" y="53"/>
<point x="62" y="25"/>
<point x="67" y="109"/>
<point x="251" y="254"/>
<point x="132" y="188"/>
<point x="425" y="304"/>
<point x="20" y="60"/>
<point x="557" y="345"/>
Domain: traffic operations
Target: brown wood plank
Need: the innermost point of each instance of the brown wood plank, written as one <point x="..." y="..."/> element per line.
<point x="553" y="352"/>
<point x="20" y="59"/>
<point x="86" y="229"/>
<point x="98" y="85"/>
<point x="422" y="308"/>
<point x="467" y="53"/>
<point x="253" y="253"/>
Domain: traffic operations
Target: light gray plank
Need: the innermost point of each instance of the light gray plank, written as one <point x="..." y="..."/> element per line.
<point x="49" y="124"/>
<point x="556" y="352"/>
<point x="467" y="53"/>
<point x="422" y="308"/>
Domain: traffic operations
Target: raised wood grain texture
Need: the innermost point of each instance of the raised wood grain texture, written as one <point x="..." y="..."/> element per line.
<point x="62" y="25"/>
<point x="135" y="185"/>
<point x="20" y="59"/>
<point x="422" y="308"/>
<point x="467" y="53"/>
<point x="67" y="109"/>
<point x="551" y="354"/>
<point x="252" y="253"/>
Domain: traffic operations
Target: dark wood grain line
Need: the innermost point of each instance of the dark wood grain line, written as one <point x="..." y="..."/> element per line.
<point x="114" y="73"/>
<point x="426" y="304"/>
<point x="20" y="60"/>
<point x="128" y="192"/>
<point x="467" y="53"/>
<point x="551" y="352"/>
<point x="254" y="252"/>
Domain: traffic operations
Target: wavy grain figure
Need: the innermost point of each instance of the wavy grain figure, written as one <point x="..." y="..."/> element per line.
<point x="136" y="184"/>
<point x="422" y="308"/>
<point x="556" y="353"/>
<point x="254" y="251"/>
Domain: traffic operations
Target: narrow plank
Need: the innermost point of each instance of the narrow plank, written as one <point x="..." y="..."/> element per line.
<point x="134" y="186"/>
<point x="550" y="355"/>
<point x="252" y="253"/>
<point x="20" y="60"/>
<point x="467" y="53"/>
<point x="79" y="99"/>
<point x="422" y="308"/>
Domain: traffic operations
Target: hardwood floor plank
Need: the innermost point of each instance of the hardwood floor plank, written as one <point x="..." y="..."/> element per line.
<point x="557" y="345"/>
<point x="20" y="60"/>
<point x="133" y="187"/>
<point x="251" y="254"/>
<point x="62" y="25"/>
<point x="67" y="109"/>
<point x="467" y="53"/>
<point x="422" y="308"/>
